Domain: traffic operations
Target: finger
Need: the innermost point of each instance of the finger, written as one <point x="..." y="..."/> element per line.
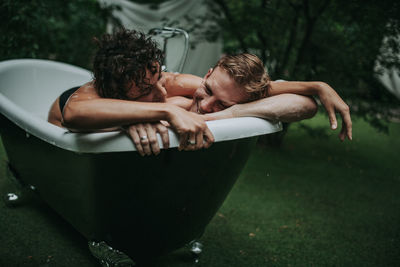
<point x="350" y="133"/>
<point x="332" y="119"/>
<point x="349" y="125"/>
<point x="199" y="140"/>
<point x="163" y="131"/>
<point x="182" y="141"/>
<point x="136" y="139"/>
<point x="165" y="123"/>
<point x="151" y="134"/>
<point x="144" y="140"/>
<point x="191" y="142"/>
<point x="342" y="134"/>
<point x="208" y="138"/>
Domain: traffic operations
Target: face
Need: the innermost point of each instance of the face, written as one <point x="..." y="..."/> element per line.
<point x="217" y="92"/>
<point x="153" y="91"/>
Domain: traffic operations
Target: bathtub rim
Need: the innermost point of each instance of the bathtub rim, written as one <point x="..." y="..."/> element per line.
<point x="117" y="141"/>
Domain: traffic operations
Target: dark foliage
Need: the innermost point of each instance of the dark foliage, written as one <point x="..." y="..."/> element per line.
<point x="51" y="29"/>
<point x="339" y="42"/>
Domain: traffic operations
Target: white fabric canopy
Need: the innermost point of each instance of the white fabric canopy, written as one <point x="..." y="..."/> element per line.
<point x="390" y="76"/>
<point x="143" y="17"/>
<point x="391" y="80"/>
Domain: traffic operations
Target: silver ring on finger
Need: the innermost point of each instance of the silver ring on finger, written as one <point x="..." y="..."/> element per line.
<point x="143" y="138"/>
<point x="191" y="142"/>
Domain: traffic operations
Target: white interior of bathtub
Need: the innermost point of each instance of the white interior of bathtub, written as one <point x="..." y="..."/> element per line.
<point x="28" y="87"/>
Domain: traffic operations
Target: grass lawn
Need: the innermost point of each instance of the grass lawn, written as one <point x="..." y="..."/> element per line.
<point x="313" y="202"/>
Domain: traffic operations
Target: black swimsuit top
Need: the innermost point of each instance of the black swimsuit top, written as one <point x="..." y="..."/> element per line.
<point x="64" y="97"/>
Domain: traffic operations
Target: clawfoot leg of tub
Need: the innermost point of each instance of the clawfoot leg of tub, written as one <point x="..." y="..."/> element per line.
<point x="108" y="256"/>
<point x="22" y="191"/>
<point x="12" y="199"/>
<point x="196" y="248"/>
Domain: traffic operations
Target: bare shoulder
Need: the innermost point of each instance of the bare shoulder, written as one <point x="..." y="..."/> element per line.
<point x="85" y="92"/>
<point x="178" y="84"/>
<point x="180" y="101"/>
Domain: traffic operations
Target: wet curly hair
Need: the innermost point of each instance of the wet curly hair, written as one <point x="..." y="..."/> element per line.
<point x="122" y="57"/>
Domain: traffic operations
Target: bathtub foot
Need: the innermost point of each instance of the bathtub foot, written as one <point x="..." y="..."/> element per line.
<point x="196" y="248"/>
<point x="108" y="256"/>
<point x="22" y="193"/>
<point x="12" y="199"/>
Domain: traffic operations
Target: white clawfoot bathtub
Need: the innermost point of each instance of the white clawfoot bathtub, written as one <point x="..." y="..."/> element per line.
<point x="99" y="183"/>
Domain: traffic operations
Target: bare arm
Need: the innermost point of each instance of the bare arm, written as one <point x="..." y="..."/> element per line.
<point x="86" y="111"/>
<point x="329" y="98"/>
<point x="299" y="88"/>
<point x="284" y="107"/>
<point x="100" y="113"/>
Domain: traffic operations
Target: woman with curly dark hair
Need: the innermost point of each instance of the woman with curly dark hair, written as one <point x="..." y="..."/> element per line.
<point x="127" y="73"/>
<point x="126" y="66"/>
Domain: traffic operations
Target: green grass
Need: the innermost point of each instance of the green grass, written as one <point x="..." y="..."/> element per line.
<point x="317" y="202"/>
<point x="313" y="202"/>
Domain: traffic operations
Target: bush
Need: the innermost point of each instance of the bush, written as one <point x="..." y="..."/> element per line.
<point x="52" y="29"/>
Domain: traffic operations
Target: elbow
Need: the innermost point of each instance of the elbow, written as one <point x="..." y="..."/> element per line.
<point x="301" y="108"/>
<point x="310" y="108"/>
<point x="70" y="118"/>
<point x="307" y="108"/>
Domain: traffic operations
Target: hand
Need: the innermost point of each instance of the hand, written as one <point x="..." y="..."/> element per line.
<point x="333" y="103"/>
<point x="192" y="129"/>
<point x="144" y="136"/>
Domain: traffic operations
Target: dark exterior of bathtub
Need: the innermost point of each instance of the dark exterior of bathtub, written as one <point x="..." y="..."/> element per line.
<point x="143" y="206"/>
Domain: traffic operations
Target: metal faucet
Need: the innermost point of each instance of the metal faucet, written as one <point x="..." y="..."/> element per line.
<point x="167" y="33"/>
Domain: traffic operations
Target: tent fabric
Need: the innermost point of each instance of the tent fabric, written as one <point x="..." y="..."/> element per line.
<point x="391" y="79"/>
<point x="143" y="17"/>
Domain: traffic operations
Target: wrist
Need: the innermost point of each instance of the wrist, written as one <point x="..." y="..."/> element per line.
<point x="169" y="111"/>
<point x="236" y="111"/>
<point x="320" y="87"/>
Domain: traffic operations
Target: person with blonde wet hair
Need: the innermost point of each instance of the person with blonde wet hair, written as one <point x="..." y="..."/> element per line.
<point x="261" y="97"/>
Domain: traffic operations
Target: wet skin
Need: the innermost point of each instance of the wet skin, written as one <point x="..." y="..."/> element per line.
<point x="152" y="91"/>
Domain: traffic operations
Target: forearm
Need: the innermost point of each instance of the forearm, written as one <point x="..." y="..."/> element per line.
<point x="299" y="88"/>
<point x="328" y="97"/>
<point x="284" y="107"/>
<point x="108" y="113"/>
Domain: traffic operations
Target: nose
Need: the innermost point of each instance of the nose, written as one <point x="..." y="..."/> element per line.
<point x="159" y="93"/>
<point x="207" y="104"/>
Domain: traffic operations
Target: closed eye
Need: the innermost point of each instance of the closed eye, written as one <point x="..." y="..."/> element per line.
<point x="208" y="89"/>
<point x="224" y="105"/>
